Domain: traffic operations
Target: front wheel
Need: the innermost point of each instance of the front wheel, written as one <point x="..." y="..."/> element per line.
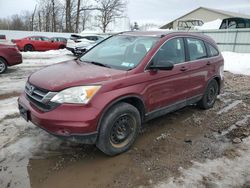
<point x="209" y="96"/>
<point x="3" y="66"/>
<point x="119" y="129"/>
<point x="61" y="47"/>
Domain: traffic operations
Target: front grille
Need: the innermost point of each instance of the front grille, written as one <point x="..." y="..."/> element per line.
<point x="40" y="98"/>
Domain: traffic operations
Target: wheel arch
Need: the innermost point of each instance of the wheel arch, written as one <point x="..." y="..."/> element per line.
<point x="28" y="44"/>
<point x="61" y="46"/>
<point x="3" y="58"/>
<point x="218" y="79"/>
<point x="134" y="100"/>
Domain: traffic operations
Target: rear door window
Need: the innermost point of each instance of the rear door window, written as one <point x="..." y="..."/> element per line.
<point x="196" y="48"/>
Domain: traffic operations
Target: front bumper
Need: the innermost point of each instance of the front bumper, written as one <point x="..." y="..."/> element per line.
<point x="73" y="122"/>
<point x="71" y="49"/>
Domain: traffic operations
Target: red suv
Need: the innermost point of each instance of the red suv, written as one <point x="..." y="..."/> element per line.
<point x="103" y="97"/>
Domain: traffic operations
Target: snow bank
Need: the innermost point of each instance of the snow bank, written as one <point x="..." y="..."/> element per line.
<point x="210" y="25"/>
<point x="45" y="55"/>
<point x="237" y="63"/>
<point x="36" y="59"/>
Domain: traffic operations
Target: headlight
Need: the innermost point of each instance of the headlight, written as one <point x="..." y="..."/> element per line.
<point x="76" y="95"/>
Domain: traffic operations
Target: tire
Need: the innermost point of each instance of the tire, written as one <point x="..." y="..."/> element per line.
<point x="61" y="47"/>
<point x="119" y="129"/>
<point x="28" y="48"/>
<point x="3" y="65"/>
<point x="209" y="96"/>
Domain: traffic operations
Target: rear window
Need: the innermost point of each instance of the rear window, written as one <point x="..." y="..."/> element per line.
<point x="197" y="49"/>
<point x="35" y="38"/>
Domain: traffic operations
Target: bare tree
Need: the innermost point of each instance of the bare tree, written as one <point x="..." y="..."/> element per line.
<point x="85" y="18"/>
<point x="16" y="23"/>
<point x="109" y="10"/>
<point x="39" y="21"/>
<point x="53" y="16"/>
<point x="66" y="15"/>
<point x="78" y="15"/>
<point x="32" y="20"/>
<point x="69" y="10"/>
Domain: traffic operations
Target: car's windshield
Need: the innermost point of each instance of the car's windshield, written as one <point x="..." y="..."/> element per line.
<point x="120" y="52"/>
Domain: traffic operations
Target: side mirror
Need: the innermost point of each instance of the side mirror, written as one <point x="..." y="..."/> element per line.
<point x="162" y="65"/>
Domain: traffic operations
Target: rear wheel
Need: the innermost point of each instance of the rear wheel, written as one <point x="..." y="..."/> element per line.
<point x="3" y="65"/>
<point x="61" y="47"/>
<point x="28" y="47"/>
<point x="209" y="96"/>
<point x="119" y="129"/>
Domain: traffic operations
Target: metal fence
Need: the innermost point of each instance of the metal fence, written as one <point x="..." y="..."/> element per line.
<point x="235" y="40"/>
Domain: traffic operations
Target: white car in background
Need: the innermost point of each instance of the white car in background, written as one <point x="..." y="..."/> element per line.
<point x="78" y="44"/>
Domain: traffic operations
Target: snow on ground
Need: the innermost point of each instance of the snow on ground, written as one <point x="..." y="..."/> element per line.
<point x="222" y="172"/>
<point x="45" y="58"/>
<point x="237" y="63"/>
<point x="16" y="76"/>
<point x="210" y="25"/>
<point x="7" y="107"/>
<point x="45" y="55"/>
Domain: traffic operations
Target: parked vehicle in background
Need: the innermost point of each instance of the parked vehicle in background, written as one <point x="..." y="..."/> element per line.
<point x="82" y="42"/>
<point x="38" y="43"/>
<point x="82" y="49"/>
<point x="2" y="37"/>
<point x="9" y="56"/>
<point x="122" y="82"/>
<point x="235" y="23"/>
<point x="59" y="39"/>
<point x="189" y="24"/>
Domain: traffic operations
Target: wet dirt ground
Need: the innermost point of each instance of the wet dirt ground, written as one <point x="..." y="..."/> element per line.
<point x="29" y="157"/>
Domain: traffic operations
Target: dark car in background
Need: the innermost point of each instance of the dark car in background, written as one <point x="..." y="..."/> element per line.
<point x="9" y="56"/>
<point x="104" y="97"/>
<point x="38" y="43"/>
<point x="235" y="23"/>
<point x="2" y="37"/>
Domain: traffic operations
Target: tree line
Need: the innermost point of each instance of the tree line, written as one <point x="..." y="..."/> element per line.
<point x="66" y="15"/>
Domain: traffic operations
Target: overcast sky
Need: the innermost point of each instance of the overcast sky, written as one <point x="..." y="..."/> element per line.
<point x="157" y="11"/>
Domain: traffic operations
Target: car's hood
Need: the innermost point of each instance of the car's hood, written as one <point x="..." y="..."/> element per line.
<point x="72" y="73"/>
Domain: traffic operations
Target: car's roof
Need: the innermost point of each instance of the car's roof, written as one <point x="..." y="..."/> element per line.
<point x="160" y="33"/>
<point x="165" y="33"/>
<point x="145" y="33"/>
<point x="37" y="36"/>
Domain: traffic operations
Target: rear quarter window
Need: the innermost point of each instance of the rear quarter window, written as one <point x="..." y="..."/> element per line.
<point x="212" y="51"/>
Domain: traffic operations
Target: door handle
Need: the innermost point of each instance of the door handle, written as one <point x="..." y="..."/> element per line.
<point x="208" y="63"/>
<point x="183" y="69"/>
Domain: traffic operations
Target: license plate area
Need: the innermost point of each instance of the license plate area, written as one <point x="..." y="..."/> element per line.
<point x="24" y="112"/>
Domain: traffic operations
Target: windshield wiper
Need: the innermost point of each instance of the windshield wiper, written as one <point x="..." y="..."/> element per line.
<point x="97" y="63"/>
